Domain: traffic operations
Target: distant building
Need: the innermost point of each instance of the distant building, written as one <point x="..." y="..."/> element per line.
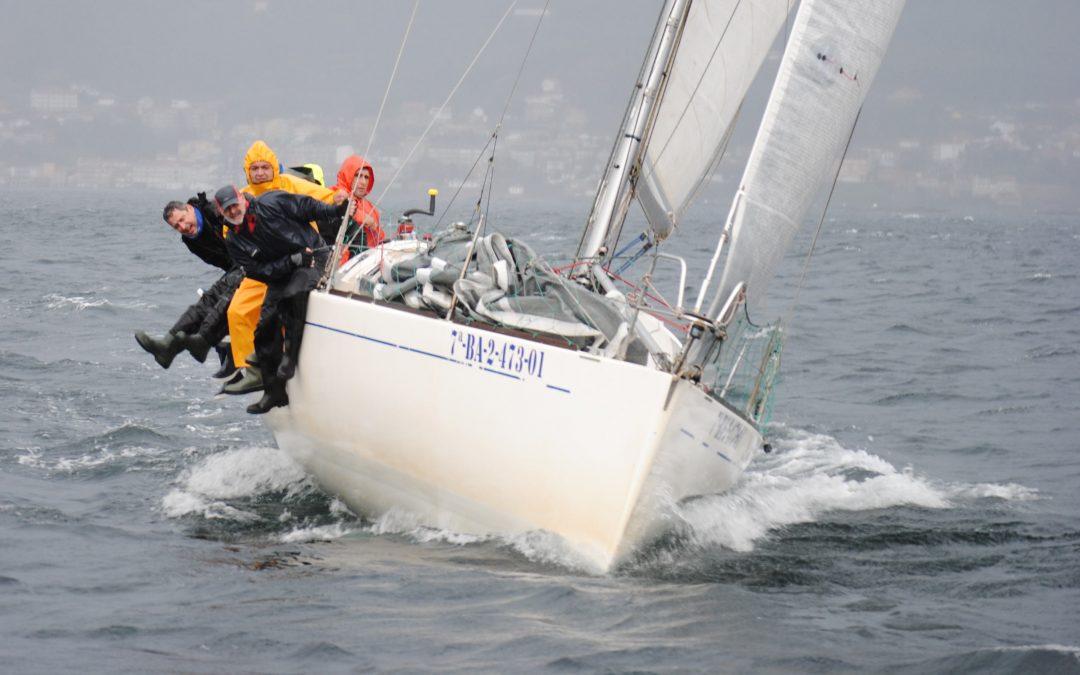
<point x="198" y="151"/>
<point x="1004" y="191"/>
<point x="54" y="101"/>
<point x="854" y="171"/>
<point x="947" y="152"/>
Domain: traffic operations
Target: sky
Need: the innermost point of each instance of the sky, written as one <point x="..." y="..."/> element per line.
<point x="335" y="54"/>
<point x="267" y="58"/>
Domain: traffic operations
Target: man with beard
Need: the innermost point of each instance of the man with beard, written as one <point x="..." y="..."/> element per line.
<point x="262" y="168"/>
<point x="271" y="239"/>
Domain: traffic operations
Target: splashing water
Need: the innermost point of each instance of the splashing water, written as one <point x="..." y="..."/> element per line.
<point x="807" y="477"/>
<point x="810" y="475"/>
<point x="231" y="475"/>
<point x="78" y="303"/>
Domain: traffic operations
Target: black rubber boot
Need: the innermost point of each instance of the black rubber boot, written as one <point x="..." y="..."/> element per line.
<point x="228" y="366"/>
<point x="197" y="346"/>
<point x="273" y="397"/>
<point x="164" y="348"/>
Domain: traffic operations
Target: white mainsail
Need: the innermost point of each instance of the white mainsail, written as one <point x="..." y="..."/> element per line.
<point x="834" y="52"/>
<point x="721" y="50"/>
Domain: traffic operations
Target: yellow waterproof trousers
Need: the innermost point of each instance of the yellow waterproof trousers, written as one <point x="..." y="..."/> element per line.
<point x="243" y="317"/>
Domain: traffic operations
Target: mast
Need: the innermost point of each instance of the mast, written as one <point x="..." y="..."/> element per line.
<point x="613" y="197"/>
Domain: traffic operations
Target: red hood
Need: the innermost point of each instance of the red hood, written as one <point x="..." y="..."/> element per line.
<point x="349" y="168"/>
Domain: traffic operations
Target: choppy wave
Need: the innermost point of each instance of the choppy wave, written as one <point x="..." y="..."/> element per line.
<point x="807" y="478"/>
<point x="126" y="459"/>
<point x="77" y="303"/>
<point x="258" y="494"/>
<point x="1022" y="659"/>
<point x="206" y="488"/>
<point x="313" y="533"/>
<point x="130" y="447"/>
<point x="810" y="475"/>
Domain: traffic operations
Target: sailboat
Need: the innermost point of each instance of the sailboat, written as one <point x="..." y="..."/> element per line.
<point x="463" y="382"/>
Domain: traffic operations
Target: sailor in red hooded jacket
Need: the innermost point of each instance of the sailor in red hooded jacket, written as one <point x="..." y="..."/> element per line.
<point x="363" y="230"/>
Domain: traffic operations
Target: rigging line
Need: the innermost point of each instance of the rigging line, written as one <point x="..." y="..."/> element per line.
<point x="490" y="180"/>
<point x="787" y="25"/>
<point x="461" y="186"/>
<point x="449" y="96"/>
<point x="506" y="107"/>
<point x="806" y="263"/>
<point x="486" y="187"/>
<point x="521" y="68"/>
<point x="393" y="74"/>
<point x="644" y="291"/>
<point x="339" y="239"/>
<point x="487" y="184"/>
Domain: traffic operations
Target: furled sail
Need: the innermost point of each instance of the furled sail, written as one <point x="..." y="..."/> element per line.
<point x="832" y="56"/>
<point x="722" y="48"/>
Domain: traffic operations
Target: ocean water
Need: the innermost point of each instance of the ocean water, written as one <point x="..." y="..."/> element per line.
<point x="919" y="513"/>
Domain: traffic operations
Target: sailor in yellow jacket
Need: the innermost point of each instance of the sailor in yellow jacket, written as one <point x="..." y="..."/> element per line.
<point x="263" y="173"/>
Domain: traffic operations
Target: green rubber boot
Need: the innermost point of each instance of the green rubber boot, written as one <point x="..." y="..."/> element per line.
<point x="197" y="346"/>
<point x="250" y="381"/>
<point x="164" y="348"/>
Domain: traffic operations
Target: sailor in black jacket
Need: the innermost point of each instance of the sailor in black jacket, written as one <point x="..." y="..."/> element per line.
<point x="206" y="237"/>
<point x="204" y="323"/>
<point x="272" y="239"/>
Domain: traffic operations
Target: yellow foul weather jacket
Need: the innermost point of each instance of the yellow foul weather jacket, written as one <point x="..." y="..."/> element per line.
<point x="247" y="300"/>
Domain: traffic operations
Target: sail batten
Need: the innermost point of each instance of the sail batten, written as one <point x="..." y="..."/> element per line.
<point x="831" y="59"/>
<point x="723" y="45"/>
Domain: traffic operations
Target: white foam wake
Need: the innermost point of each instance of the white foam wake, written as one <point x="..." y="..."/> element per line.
<point x="537" y="545"/>
<point x="329" y="532"/>
<point x="810" y="475"/>
<point x="246" y="472"/>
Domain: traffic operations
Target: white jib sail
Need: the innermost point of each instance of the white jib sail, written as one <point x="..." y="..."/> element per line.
<point x="834" y="52"/>
<point x="722" y="48"/>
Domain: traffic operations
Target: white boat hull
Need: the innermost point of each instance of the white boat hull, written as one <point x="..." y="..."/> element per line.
<point x="499" y="434"/>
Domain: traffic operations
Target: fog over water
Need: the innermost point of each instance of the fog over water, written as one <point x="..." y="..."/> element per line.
<point x="986" y="87"/>
<point x="265" y="53"/>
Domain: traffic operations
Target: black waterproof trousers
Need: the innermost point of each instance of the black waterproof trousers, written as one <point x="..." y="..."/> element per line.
<point x="281" y="322"/>
<point x="209" y="316"/>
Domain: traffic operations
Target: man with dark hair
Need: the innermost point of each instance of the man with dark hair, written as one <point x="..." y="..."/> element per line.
<point x="204" y="323"/>
<point x="271" y="238"/>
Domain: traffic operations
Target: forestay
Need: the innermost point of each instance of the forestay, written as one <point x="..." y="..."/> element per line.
<point x="721" y="50"/>
<point x="834" y="52"/>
